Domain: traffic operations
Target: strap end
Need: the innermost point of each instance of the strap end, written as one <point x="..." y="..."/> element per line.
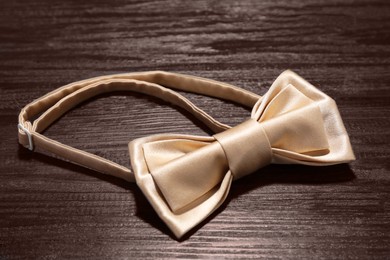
<point x="27" y="133"/>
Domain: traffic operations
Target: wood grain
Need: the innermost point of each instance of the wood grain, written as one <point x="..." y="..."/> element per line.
<point x="50" y="209"/>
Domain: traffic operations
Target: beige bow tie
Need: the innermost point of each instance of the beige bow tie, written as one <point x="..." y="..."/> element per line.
<point x="184" y="177"/>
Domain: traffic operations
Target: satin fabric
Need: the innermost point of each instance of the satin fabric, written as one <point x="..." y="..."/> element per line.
<point x="186" y="178"/>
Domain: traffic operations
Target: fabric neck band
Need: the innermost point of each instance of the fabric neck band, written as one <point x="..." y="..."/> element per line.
<point x="159" y="84"/>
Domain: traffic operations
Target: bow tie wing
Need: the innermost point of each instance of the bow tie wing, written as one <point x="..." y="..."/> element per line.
<point x="302" y="123"/>
<point x="184" y="177"/>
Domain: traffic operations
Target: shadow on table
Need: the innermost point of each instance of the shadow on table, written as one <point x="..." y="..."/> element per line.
<point x="288" y="174"/>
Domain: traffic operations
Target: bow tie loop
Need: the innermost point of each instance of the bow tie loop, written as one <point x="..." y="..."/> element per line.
<point x="246" y="148"/>
<point x="198" y="167"/>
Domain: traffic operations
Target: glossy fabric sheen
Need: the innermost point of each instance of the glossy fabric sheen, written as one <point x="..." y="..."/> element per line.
<point x="184" y="177"/>
<point x="246" y="148"/>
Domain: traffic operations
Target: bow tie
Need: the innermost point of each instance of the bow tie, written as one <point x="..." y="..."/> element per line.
<point x="185" y="177"/>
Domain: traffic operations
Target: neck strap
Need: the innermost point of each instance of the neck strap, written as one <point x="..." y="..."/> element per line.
<point x="159" y="84"/>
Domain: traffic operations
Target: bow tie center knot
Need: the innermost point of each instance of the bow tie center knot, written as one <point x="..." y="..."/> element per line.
<point x="246" y="148"/>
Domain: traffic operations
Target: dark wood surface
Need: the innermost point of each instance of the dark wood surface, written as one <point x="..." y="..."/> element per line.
<point x="51" y="209"/>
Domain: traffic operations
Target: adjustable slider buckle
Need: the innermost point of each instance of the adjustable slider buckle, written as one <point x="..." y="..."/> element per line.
<point x="27" y="132"/>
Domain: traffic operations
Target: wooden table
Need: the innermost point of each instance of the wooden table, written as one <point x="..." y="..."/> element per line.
<point x="51" y="209"/>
